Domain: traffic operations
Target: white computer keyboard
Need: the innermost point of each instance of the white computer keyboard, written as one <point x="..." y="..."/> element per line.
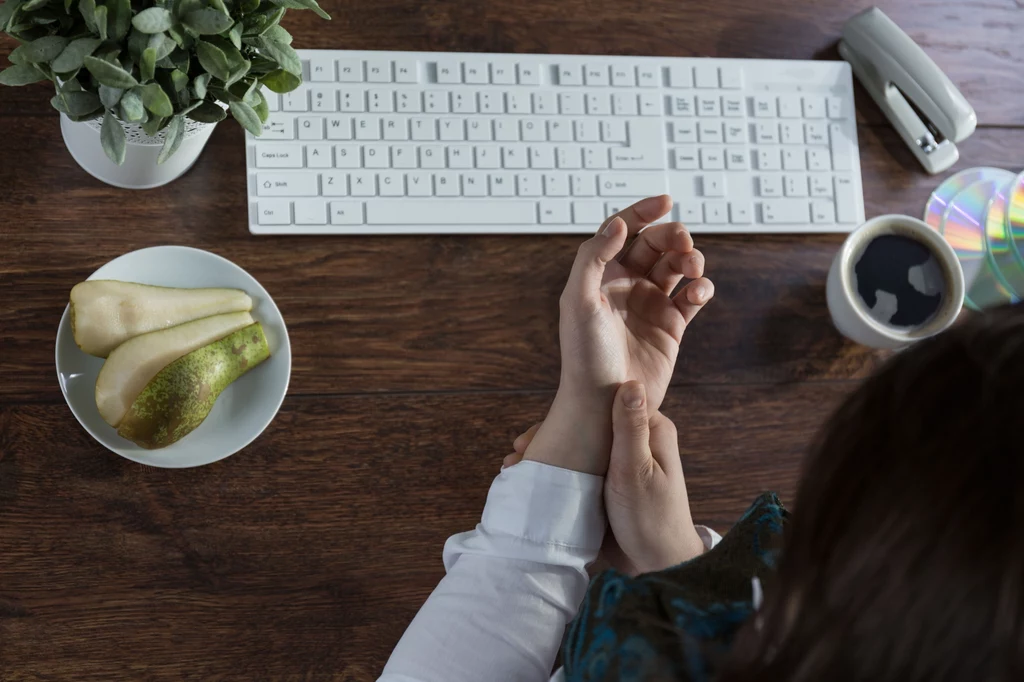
<point x="429" y="143"/>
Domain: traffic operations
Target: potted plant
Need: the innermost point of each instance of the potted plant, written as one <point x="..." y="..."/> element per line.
<point x="140" y="84"/>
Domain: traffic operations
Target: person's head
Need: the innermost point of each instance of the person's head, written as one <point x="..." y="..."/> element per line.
<point x="904" y="560"/>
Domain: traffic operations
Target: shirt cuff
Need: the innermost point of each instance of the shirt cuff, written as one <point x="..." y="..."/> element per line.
<point x="709" y="537"/>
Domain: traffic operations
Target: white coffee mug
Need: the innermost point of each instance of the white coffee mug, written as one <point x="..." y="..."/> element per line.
<point x="850" y="313"/>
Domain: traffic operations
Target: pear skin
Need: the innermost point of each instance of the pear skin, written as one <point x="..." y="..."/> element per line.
<point x="177" y="400"/>
<point x="106" y="313"/>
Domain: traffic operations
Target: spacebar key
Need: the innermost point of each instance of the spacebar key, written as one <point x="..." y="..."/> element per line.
<point x="406" y="212"/>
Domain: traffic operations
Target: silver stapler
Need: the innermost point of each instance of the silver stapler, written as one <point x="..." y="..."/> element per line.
<point x="920" y="101"/>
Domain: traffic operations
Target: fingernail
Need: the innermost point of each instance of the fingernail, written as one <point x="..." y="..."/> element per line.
<point x="634" y="398"/>
<point x="610" y="227"/>
<point x="701" y="293"/>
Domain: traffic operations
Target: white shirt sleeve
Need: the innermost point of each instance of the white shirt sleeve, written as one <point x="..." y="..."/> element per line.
<point x="512" y="584"/>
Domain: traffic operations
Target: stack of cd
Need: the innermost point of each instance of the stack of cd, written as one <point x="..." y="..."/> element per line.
<point x="980" y="212"/>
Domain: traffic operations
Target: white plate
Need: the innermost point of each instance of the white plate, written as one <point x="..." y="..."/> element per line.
<point x="245" y="407"/>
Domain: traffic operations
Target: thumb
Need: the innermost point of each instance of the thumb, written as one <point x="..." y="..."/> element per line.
<point x="631" y="459"/>
<point x="593" y="255"/>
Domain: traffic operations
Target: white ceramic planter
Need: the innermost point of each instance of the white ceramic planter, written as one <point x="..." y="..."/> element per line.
<point x="140" y="169"/>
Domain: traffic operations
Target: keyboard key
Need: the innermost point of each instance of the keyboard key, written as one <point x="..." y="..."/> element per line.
<point x="435" y="101"/>
<point x="682" y="105"/>
<point x="568" y="157"/>
<point x="598" y="104"/>
<point x="407" y="70"/>
<point x="623" y="76"/>
<point x="392" y="184"/>
<point x="376" y="156"/>
<point x="822" y="212"/>
<point x="586" y="130"/>
<point x="350" y="70"/>
<point x="713" y="184"/>
<point x="691" y="212"/>
<point x="477" y="73"/>
<point x="648" y="76"/>
<point x="363" y="184"/>
<point x="395" y="128"/>
<point x="556" y="184"/>
<point x="516" y="212"/>
<point x="311" y="128"/>
<point x="506" y="130"/>
<point x="834" y="107"/>
<point x="712" y="158"/>
<point x="449" y="71"/>
<point x="789" y="106"/>
<point x="716" y="212"/>
<point x="770" y="185"/>
<point x="543" y="157"/>
<point x="650" y="104"/>
<point x="446" y="184"/>
<point x="840" y="147"/>
<point x="479" y="130"/>
<point x="460" y="156"/>
<point x="570" y="103"/>
<point x="846" y="200"/>
<point x="273" y="100"/>
<point x="279" y="156"/>
<point x="474" y="185"/>
<point x="736" y="158"/>
<point x="816" y="133"/>
<point x="334" y="184"/>
<point x="432" y="156"/>
<point x="533" y="130"/>
<point x="818" y="160"/>
<point x="554" y="211"/>
<point x="339" y="127"/>
<point x="793" y="159"/>
<point x="514" y="156"/>
<point x="732" y="106"/>
<point x="735" y="132"/>
<point x="766" y="133"/>
<point x="595" y="157"/>
<point x="381" y="101"/>
<point x="783" y="211"/>
<point x="595" y="75"/>
<point x="488" y="156"/>
<point x="423" y="129"/>
<point x="378" y="70"/>
<point x="311" y="212"/>
<point x="420" y="184"/>
<point x="686" y="158"/>
<point x="706" y="76"/>
<point x="821" y="186"/>
<point x="348" y="156"/>
<point x="740" y="213"/>
<point x="463" y="103"/>
<point x="296" y="100"/>
<point x="587" y="213"/>
<point x="710" y="132"/>
<point x="626" y="185"/>
<point x="708" y="105"/>
<point x="287" y="184"/>
<point x="367" y="127"/>
<point x="517" y="102"/>
<point x="768" y="159"/>
<point x="680" y="76"/>
<point x="624" y="104"/>
<point x="684" y="131"/>
<point x="814" y="106"/>
<point x="613" y="131"/>
<point x="795" y="185"/>
<point x="792" y="132"/>
<point x="321" y="69"/>
<point x="319" y="156"/>
<point x="731" y="77"/>
<point x="529" y="185"/>
<point x="559" y="131"/>
<point x="544" y="103"/>
<point x="570" y="74"/>
<point x="352" y="101"/>
<point x="346" y="213"/>
<point x="529" y="73"/>
<point x="764" y="106"/>
<point x="274" y="212"/>
<point x="403" y="156"/>
<point x="502" y="75"/>
<point x="409" y="103"/>
<point x="324" y="99"/>
<point x="584" y="186"/>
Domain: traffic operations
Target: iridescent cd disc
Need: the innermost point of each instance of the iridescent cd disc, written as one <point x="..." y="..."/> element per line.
<point x="1015" y="218"/>
<point x="935" y="209"/>
<point x="1000" y="248"/>
<point x="963" y="226"/>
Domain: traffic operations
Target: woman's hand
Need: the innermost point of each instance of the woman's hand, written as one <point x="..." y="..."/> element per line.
<point x="618" y="322"/>
<point x="644" y="492"/>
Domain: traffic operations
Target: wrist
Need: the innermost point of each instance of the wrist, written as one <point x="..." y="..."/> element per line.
<point x="577" y="432"/>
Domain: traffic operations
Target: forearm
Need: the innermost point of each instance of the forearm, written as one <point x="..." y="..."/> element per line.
<point x="576" y="433"/>
<point x="512" y="585"/>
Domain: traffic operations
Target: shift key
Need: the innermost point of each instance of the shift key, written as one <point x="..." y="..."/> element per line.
<point x="631" y="185"/>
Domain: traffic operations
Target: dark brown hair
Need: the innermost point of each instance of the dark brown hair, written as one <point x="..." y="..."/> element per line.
<point x="904" y="560"/>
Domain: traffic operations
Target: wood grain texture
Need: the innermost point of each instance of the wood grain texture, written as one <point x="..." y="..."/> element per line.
<point x="416" y="361"/>
<point x="305" y="556"/>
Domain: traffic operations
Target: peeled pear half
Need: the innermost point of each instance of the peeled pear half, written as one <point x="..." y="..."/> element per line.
<point x="181" y="395"/>
<point x="136" y="361"/>
<point x="106" y="313"/>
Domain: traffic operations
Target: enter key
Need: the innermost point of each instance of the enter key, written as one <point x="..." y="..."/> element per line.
<point x="646" y="150"/>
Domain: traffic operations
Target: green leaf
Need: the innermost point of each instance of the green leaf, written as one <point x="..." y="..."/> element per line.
<point x="238" y="74"/>
<point x="109" y="74"/>
<point x="119" y="19"/>
<point x="17" y="56"/>
<point x="156" y="100"/>
<point x="72" y="85"/>
<point x="179" y="79"/>
<point x="87" y="8"/>
<point x="191" y="107"/>
<point x="132" y="108"/>
<point x="163" y="45"/>
<point x="73" y="56"/>
<point x="213" y="60"/>
<point x="174" y="133"/>
<point x="303" y="4"/>
<point x="177" y="36"/>
<point x="112" y="139"/>
<point x="261" y="107"/>
<point x="282" y="54"/>
<point x="208" y="112"/>
<point x="245" y="115"/>
<point x="199" y="84"/>
<point x="207" y="21"/>
<point x="278" y="34"/>
<point x="21" y="74"/>
<point x="110" y="96"/>
<point x="44" y="50"/>
<point x="272" y="19"/>
<point x="147" y="65"/>
<point x="235" y="35"/>
<point x="248" y="6"/>
<point x="77" y="104"/>
<point x="33" y="5"/>
<point x="153" y="125"/>
<point x="101" y="21"/>
<point x="153" y="20"/>
<point x="8" y="9"/>
<point x="281" y="81"/>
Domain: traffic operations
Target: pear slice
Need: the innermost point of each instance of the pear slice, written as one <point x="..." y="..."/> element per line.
<point x="132" y="364"/>
<point x="106" y="313"/>
<point x="181" y="395"/>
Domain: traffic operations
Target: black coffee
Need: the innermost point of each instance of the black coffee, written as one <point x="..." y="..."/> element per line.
<point x="900" y="281"/>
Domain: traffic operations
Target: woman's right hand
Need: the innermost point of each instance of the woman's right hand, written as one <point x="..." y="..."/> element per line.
<point x="644" y="492"/>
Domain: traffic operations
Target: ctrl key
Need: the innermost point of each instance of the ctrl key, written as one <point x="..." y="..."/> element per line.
<point x="274" y="212"/>
<point x="346" y="213"/>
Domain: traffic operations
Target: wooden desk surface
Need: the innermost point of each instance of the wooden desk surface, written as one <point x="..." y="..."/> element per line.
<point x="417" y="360"/>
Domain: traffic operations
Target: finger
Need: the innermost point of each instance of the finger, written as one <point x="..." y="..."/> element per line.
<point x="511" y="460"/>
<point x="524" y="439"/>
<point x="642" y="213"/>
<point x="630" y="465"/>
<point x="694" y="296"/>
<point x="665" y="444"/>
<point x="594" y="254"/>
<point x="652" y="242"/>
<point x="672" y="267"/>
